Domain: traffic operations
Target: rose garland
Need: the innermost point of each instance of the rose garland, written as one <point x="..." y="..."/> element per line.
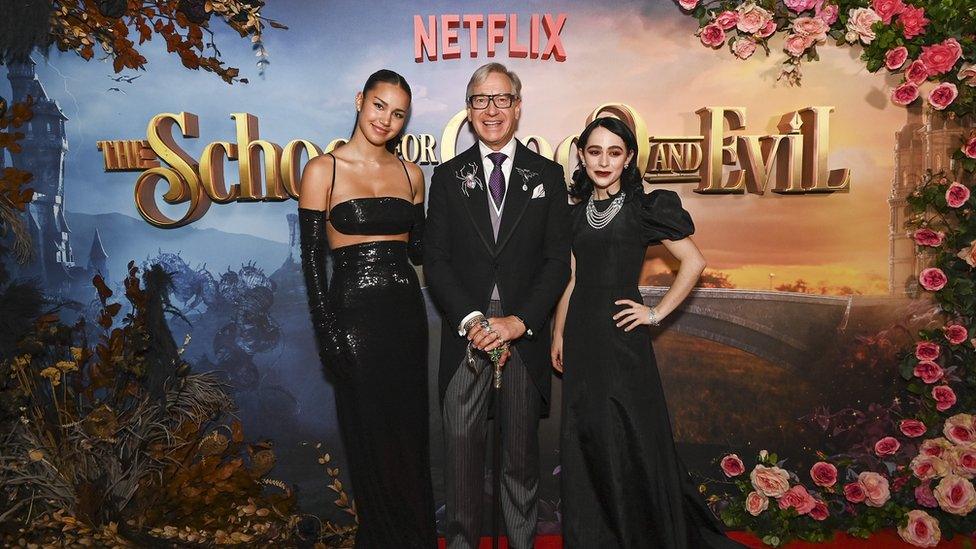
<point x="930" y="43"/>
<point x="921" y="486"/>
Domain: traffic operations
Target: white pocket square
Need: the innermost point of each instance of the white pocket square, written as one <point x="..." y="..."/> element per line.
<point x="539" y="191"/>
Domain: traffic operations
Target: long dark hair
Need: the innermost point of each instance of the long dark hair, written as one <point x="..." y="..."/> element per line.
<point x="389" y="77"/>
<point x="630" y="179"/>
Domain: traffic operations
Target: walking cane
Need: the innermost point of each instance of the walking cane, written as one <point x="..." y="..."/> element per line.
<point x="496" y="455"/>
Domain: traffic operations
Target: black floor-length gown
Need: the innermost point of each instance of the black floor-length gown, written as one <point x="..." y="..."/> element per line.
<point x="371" y="326"/>
<point x="623" y="484"/>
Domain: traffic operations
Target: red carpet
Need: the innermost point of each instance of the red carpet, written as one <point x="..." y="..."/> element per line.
<point x="881" y="540"/>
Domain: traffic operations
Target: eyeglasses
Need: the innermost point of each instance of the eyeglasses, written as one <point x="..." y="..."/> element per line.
<point x="501" y="100"/>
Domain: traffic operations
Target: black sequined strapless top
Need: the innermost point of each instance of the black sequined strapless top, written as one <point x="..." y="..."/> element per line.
<point x="381" y="215"/>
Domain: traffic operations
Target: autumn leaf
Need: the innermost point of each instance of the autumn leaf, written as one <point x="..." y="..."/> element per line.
<point x="104" y="292"/>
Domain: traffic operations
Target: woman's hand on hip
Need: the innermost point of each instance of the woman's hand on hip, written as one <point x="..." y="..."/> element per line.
<point x="632" y="315"/>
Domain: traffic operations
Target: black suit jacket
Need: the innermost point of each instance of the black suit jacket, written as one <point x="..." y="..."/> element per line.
<point x="529" y="262"/>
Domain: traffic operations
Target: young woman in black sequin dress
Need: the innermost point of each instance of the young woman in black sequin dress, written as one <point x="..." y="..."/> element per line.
<point x="366" y="204"/>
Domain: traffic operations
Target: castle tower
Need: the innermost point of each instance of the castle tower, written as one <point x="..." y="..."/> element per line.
<point x="909" y="156"/>
<point x="926" y="142"/>
<point x="44" y="145"/>
<point x="97" y="257"/>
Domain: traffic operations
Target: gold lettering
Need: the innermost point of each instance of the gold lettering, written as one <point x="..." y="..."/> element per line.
<point x="427" y="153"/>
<point x="719" y="150"/>
<point x="127" y="156"/>
<point x="249" y="163"/>
<point x="184" y="185"/>
<point x="450" y="135"/>
<point x="290" y="159"/>
<point x="816" y="133"/>
<point x="212" y="171"/>
<point x="541" y="145"/>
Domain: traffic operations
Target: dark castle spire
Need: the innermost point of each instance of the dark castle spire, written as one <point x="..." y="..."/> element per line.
<point x="97" y="257"/>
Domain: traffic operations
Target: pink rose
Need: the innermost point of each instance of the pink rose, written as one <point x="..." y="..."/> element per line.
<point x="798" y="498"/>
<point x="927" y="467"/>
<point x="924" y="495"/>
<point x="969" y="149"/>
<point x="928" y="237"/>
<point x="944" y="396"/>
<point x="854" y="492"/>
<point x="967" y="74"/>
<point x="940" y="58"/>
<point x="886" y="446"/>
<point x="956" y="195"/>
<point x="943" y="95"/>
<point x="956" y="334"/>
<point x="933" y="279"/>
<point x="922" y="529"/>
<point x="771" y="482"/>
<point x="811" y="26"/>
<point x="752" y="18"/>
<point x="964" y="460"/>
<point x="823" y="474"/>
<point x="917" y="72"/>
<point x="968" y="254"/>
<point x="800" y="5"/>
<point x="712" y="35"/>
<point x="743" y="48"/>
<point x="927" y="350"/>
<point x="796" y="44"/>
<point x="819" y="511"/>
<point x="727" y="19"/>
<point x="756" y="503"/>
<point x="767" y="30"/>
<point x="935" y="447"/>
<point x="904" y="94"/>
<point x="688" y="4"/>
<point x="828" y="13"/>
<point x="955" y="495"/>
<point x="896" y="57"/>
<point x="875" y="487"/>
<point x="860" y="21"/>
<point x="732" y="466"/>
<point x="887" y="9"/>
<point x="960" y="429"/>
<point x="912" y="428"/>
<point x="912" y="21"/>
<point x="928" y="371"/>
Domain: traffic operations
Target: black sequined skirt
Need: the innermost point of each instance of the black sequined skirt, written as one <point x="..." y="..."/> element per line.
<point x="379" y="319"/>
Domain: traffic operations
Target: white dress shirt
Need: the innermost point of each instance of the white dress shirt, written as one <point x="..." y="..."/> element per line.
<point x="509" y="151"/>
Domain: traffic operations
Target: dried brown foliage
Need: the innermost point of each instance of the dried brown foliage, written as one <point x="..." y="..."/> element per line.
<point x="14" y="195"/>
<point x="185" y="26"/>
<point x="95" y="452"/>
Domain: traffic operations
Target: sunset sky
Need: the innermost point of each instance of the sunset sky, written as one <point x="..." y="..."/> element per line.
<point x="647" y="57"/>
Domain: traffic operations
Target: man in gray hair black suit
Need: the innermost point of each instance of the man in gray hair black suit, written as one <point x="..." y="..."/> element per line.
<point x="496" y="261"/>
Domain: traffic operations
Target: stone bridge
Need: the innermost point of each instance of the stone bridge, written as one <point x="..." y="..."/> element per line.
<point x="784" y="328"/>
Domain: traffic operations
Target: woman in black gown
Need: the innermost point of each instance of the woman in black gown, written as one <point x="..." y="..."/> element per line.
<point x="622" y="482"/>
<point x="371" y="325"/>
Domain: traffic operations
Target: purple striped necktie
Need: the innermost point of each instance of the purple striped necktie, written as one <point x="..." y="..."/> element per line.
<point x="496" y="182"/>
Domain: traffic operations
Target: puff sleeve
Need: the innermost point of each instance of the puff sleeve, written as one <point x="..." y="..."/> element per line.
<point x="663" y="218"/>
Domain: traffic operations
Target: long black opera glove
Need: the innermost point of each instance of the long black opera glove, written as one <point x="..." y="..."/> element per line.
<point x="311" y="228"/>
<point x="415" y="244"/>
